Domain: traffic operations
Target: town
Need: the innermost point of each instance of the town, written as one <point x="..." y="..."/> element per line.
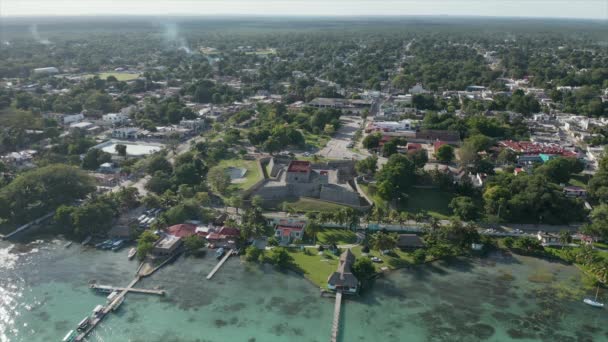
<point x="342" y="165"/>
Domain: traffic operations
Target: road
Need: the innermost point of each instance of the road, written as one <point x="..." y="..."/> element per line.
<point x="337" y="148"/>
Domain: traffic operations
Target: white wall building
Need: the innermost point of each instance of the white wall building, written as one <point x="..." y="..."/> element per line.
<point x="115" y="118"/>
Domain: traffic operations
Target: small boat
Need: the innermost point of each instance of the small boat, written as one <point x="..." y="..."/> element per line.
<point x="594" y="302"/>
<point x="219" y="253"/>
<point x="68" y="244"/>
<point x="111" y="296"/>
<point x="132" y="253"/>
<point x="69" y="337"/>
<point x="118" y="303"/>
<point x="116" y="245"/>
<point x="86" y="240"/>
<point x="84" y="324"/>
<point x="98" y="311"/>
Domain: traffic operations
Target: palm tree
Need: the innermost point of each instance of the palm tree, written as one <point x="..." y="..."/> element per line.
<point x="313" y="228"/>
<point x="393" y="216"/>
<point x="382" y="241"/>
<point x="565" y="237"/>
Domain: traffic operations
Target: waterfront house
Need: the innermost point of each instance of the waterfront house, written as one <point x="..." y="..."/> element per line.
<point x="224" y="237"/>
<point x="183" y="230"/>
<point x="343" y="279"/>
<point x="409" y="242"/>
<point x="286" y="232"/>
<point x="548" y="239"/>
<point x="167" y="245"/>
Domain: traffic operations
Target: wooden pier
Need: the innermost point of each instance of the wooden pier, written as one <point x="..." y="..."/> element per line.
<point x="109" y="289"/>
<point x="219" y="264"/>
<point x="335" y="327"/>
<point x="107" y="309"/>
<point x="28" y="226"/>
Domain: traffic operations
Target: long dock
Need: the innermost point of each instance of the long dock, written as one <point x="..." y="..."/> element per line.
<point x="109" y="289"/>
<point x="27" y="226"/>
<point x="219" y="264"/>
<point x="109" y="307"/>
<point x="335" y="327"/>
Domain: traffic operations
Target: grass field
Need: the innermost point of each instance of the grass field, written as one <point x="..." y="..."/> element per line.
<point x="121" y="76"/>
<point x="337" y="236"/>
<point x="315" y="140"/>
<point x="252" y="176"/>
<point x="309" y="204"/>
<point x="579" y="180"/>
<point x="317" y="268"/>
<point x="435" y="202"/>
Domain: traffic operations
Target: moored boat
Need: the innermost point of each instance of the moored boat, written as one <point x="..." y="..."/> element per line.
<point x="132" y="253"/>
<point x="219" y="253"/>
<point x="86" y="240"/>
<point x="118" y="303"/>
<point x="84" y="323"/>
<point x="594" y="302"/>
<point x="68" y="244"/>
<point x="69" y="337"/>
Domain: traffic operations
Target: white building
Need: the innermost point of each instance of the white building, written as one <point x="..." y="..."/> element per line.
<point x="70" y="119"/>
<point x="125" y="133"/>
<point x="47" y="71"/>
<point x="115" y="118"/>
<point x="417" y="89"/>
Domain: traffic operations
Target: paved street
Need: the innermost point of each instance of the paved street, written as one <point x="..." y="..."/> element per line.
<point x="337" y="148"/>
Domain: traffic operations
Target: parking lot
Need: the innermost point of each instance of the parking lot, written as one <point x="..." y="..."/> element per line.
<point x="337" y="147"/>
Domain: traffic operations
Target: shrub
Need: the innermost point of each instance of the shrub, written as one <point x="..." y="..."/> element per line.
<point x="419" y="256"/>
<point x="273" y="241"/>
<point x="252" y="253"/>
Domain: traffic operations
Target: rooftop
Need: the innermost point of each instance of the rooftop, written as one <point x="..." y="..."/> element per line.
<point x="299" y="166"/>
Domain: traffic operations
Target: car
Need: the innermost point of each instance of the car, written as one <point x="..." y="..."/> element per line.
<point x="376" y="259"/>
<point x="350" y="145"/>
<point x="306" y="154"/>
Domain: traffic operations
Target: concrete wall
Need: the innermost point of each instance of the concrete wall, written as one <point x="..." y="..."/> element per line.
<point x="339" y="195"/>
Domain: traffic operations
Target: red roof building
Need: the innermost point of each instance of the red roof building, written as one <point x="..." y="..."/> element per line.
<point x="182" y="230"/>
<point x="438" y="144"/>
<point x="413" y="147"/>
<point x="288" y="231"/>
<point x="300" y="166"/>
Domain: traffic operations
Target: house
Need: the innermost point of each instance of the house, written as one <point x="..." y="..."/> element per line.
<point x="528" y="159"/>
<point x="575" y="191"/>
<point x="409" y="241"/>
<point x="85" y="125"/>
<point x="548" y="239"/>
<point x="70" y="119"/>
<point x="167" y="245"/>
<point x="125" y="133"/>
<point x="429" y="136"/>
<point x="183" y="230"/>
<point x="437" y="145"/>
<point x="413" y="147"/>
<point x="417" y="89"/>
<point x="343" y="279"/>
<point x="115" y="118"/>
<point x="46" y="71"/>
<point x="286" y="232"/>
<point x="224" y="237"/>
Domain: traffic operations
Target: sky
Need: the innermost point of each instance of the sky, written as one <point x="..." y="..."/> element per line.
<point x="588" y="9"/>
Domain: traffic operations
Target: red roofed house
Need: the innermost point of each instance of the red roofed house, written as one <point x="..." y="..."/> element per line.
<point x="182" y="230"/>
<point x="413" y="147"/>
<point x="226" y="236"/>
<point x="438" y="144"/>
<point x="298" y="171"/>
<point x="286" y="232"/>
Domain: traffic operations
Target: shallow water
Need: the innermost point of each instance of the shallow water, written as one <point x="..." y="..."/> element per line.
<point x="44" y="294"/>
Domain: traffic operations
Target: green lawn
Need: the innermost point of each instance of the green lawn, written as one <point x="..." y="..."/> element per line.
<point x="579" y="180"/>
<point x="310" y="204"/>
<point x="317" y="268"/>
<point x="337" y="236"/>
<point x="433" y="201"/>
<point x="121" y="76"/>
<point x="252" y="176"/>
<point x="318" y="141"/>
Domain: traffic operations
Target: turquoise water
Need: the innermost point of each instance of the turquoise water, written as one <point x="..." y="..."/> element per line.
<point x="44" y="294"/>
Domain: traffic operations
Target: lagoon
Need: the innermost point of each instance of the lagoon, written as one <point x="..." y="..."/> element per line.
<point x="44" y="294"/>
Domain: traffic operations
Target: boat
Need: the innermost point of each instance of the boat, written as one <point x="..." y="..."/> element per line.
<point x="98" y="311"/>
<point x="69" y="337"/>
<point x="86" y="240"/>
<point x="132" y="253"/>
<point x="68" y="244"/>
<point x="84" y="324"/>
<point x="594" y="302"/>
<point x="111" y="296"/>
<point x="219" y="253"/>
<point x="118" y="303"/>
<point x="116" y="245"/>
<point x="104" y="244"/>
